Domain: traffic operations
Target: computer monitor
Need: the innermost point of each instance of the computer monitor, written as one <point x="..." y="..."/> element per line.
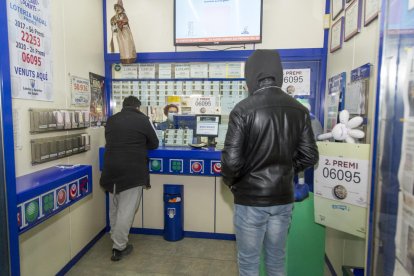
<point x="207" y="126"/>
<point x="184" y="121"/>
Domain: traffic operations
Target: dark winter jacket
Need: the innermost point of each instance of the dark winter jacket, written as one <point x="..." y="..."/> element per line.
<point x="269" y="137"/>
<point x="129" y="134"/>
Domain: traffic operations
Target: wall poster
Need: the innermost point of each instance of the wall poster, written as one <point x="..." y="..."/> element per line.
<point x="81" y="93"/>
<point x="98" y="104"/>
<point x="30" y="49"/>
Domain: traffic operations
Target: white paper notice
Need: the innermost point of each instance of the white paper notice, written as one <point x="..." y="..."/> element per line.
<point x="354" y="97"/>
<point x="202" y="104"/>
<point x="343" y="179"/>
<point x="164" y="71"/>
<point x="182" y="71"/>
<point x="125" y="71"/>
<point x="234" y="70"/>
<point x="217" y="70"/>
<point x="81" y="92"/>
<point x="296" y="81"/>
<point x="406" y="168"/>
<point x="405" y="233"/>
<point x="146" y="71"/>
<point x="199" y="70"/>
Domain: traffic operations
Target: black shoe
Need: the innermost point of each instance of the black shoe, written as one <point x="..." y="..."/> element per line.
<point x="119" y="254"/>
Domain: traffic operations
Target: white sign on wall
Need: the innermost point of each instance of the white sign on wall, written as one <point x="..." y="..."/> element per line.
<point x="341" y="187"/>
<point x="125" y="71"/>
<point x="200" y="104"/>
<point x="30" y="49"/>
<point x="342" y="179"/>
<point x="81" y="91"/>
<point x="296" y="81"/>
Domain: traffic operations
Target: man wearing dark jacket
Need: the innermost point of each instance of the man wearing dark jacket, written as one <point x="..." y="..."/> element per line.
<point x="129" y="134"/>
<point x="269" y="139"/>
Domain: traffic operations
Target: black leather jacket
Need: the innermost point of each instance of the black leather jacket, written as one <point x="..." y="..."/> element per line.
<point x="269" y="139"/>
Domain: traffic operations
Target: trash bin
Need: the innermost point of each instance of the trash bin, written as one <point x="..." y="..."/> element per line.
<point x="173" y="212"/>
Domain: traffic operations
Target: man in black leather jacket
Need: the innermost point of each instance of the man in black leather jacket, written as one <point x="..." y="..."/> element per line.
<point x="269" y="139"/>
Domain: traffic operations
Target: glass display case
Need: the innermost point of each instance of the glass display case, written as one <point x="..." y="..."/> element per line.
<point x="392" y="213"/>
<point x="200" y="88"/>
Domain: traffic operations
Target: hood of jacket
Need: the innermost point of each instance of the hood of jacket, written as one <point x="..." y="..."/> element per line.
<point x="260" y="65"/>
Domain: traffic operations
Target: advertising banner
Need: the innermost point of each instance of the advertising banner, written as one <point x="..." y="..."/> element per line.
<point x="30" y="49"/>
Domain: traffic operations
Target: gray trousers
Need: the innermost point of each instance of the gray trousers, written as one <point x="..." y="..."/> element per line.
<point x="122" y="209"/>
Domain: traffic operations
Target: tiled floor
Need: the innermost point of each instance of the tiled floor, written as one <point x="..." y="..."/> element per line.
<point x="152" y="255"/>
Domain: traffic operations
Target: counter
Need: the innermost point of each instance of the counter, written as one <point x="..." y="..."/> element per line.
<point x="42" y="194"/>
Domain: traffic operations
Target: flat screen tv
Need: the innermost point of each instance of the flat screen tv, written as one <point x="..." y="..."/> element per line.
<point x="212" y="22"/>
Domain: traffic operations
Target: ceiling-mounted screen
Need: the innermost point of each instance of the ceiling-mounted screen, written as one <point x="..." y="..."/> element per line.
<point x="210" y="22"/>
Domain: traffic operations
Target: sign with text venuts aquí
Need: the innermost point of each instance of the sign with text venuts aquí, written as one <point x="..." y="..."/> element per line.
<point x="341" y="186"/>
<point x="30" y="49"/>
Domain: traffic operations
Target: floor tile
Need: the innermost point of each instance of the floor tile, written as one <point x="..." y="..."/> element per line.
<point x="153" y="256"/>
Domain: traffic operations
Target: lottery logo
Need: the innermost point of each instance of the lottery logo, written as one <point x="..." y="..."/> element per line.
<point x="196" y="167"/>
<point x="176" y="166"/>
<point x="217" y="167"/>
<point x="340" y="192"/>
<point x="61" y="196"/>
<point x="73" y="191"/>
<point x="156" y="165"/>
<point x="48" y="203"/>
<point x="32" y="211"/>
<point x="83" y="185"/>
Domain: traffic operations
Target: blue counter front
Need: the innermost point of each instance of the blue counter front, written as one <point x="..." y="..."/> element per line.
<point x="182" y="161"/>
<point x="45" y="193"/>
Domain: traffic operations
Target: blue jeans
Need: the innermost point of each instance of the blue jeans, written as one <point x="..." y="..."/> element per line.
<point x="257" y="226"/>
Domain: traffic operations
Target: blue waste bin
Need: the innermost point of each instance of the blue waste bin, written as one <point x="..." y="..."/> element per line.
<point x="173" y="212"/>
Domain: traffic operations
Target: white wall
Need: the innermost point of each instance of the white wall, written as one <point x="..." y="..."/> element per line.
<point x="286" y="24"/>
<point x="341" y="248"/>
<point x="77" y="47"/>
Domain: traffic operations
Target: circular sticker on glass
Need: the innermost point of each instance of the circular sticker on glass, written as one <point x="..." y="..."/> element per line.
<point x="117" y="67"/>
<point x="340" y="192"/>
